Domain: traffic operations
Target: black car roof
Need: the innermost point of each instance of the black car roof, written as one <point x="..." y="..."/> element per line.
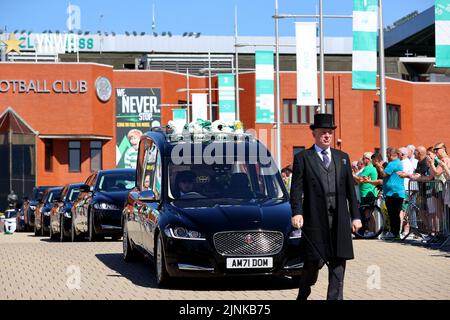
<point x="55" y="189"/>
<point x="118" y="170"/>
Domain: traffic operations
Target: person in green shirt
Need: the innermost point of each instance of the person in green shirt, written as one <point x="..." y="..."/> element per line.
<point x="368" y="192"/>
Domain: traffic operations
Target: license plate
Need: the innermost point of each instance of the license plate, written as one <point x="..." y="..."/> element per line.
<point x="249" y="263"/>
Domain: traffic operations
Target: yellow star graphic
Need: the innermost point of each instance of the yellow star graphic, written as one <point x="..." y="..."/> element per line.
<point x="12" y="44"/>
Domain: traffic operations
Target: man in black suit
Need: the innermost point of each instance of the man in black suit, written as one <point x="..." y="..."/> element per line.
<point x="324" y="205"/>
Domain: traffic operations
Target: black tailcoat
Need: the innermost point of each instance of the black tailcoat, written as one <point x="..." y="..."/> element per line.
<point x="308" y="198"/>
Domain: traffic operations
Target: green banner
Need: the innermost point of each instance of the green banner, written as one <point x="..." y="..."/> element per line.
<point x="264" y="87"/>
<point x="364" y="56"/>
<point x="227" y="101"/>
<point x="179" y="115"/>
<point x="442" y="33"/>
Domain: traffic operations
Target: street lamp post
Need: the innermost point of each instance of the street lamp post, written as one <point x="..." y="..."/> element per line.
<point x="321" y="16"/>
<point x="382" y="104"/>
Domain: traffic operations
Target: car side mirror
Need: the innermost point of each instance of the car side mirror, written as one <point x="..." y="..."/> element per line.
<point x="147" y="195"/>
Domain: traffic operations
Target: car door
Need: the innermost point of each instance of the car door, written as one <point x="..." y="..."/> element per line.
<point x="131" y="215"/>
<point x="80" y="209"/>
<point x="150" y="209"/>
<point x="133" y="209"/>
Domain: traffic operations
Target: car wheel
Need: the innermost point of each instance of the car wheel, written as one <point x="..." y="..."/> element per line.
<point x="73" y="235"/>
<point x="42" y="225"/>
<point x="61" y="229"/>
<point x="50" y="232"/>
<point x="36" y="232"/>
<point x="129" y="253"/>
<point x="92" y="235"/>
<point x="162" y="276"/>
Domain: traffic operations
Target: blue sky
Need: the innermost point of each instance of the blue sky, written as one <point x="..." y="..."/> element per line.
<point x="210" y="17"/>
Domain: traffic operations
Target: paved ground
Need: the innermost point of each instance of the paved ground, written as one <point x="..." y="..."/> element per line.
<point x="35" y="268"/>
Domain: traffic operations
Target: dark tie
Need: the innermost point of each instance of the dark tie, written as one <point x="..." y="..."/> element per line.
<point x="326" y="159"/>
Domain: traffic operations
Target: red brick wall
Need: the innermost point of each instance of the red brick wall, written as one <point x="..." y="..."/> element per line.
<point x="64" y="113"/>
<point x="424" y="114"/>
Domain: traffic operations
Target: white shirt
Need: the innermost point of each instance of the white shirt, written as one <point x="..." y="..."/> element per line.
<point x="414" y="162"/>
<point x="408" y="168"/>
<point x="319" y="152"/>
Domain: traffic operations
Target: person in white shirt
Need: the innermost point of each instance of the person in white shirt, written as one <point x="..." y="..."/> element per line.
<point x="409" y="170"/>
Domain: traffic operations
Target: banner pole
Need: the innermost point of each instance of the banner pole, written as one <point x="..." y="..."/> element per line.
<point x="382" y="104"/>
<point x="322" y="61"/>
<point x="277" y="95"/>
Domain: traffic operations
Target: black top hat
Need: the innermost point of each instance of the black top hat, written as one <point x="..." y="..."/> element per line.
<point x="323" y="120"/>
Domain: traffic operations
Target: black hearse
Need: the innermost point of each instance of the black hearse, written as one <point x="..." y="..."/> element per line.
<point x="209" y="205"/>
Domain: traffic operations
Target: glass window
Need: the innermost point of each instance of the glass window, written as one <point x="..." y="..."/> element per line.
<point x="293" y="114"/>
<point x="152" y="174"/>
<point x="96" y="155"/>
<point x="392" y="113"/>
<point x="286" y="108"/>
<point x="74" y="156"/>
<point x="74" y="194"/>
<point x="48" y="155"/>
<point x="229" y="182"/>
<point x="117" y="181"/>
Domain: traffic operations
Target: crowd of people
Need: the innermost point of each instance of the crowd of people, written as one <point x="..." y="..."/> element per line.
<point x="373" y="176"/>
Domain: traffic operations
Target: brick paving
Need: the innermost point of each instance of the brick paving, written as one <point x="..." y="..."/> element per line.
<point x="35" y="268"/>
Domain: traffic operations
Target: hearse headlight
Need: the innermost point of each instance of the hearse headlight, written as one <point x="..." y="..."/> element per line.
<point x="183" y="233"/>
<point x="295" y="234"/>
<point x="106" y="206"/>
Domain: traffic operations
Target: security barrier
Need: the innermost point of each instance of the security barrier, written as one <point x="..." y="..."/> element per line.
<point x="428" y="210"/>
<point x="447" y="209"/>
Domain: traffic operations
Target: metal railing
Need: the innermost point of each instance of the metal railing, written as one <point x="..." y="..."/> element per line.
<point x="428" y="210"/>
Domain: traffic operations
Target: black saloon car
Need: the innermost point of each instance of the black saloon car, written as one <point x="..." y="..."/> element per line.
<point x="97" y="212"/>
<point x="43" y="210"/>
<point x="61" y="215"/>
<point x="199" y="211"/>
<point x="29" y="206"/>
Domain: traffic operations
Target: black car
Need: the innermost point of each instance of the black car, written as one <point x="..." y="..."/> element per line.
<point x="43" y="210"/>
<point x="199" y="210"/>
<point x="61" y="215"/>
<point x="29" y="206"/>
<point x="97" y="212"/>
